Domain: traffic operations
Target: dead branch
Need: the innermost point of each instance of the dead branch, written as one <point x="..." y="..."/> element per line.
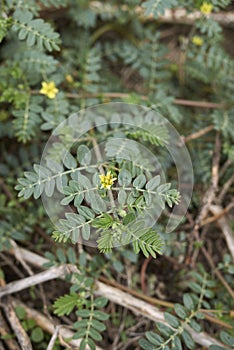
<point x="115" y="295"/>
<point x="4" y="332"/>
<point x="225" y="228"/>
<point x="142" y="308"/>
<point x="218" y="216"/>
<point x="41" y="277"/>
<point x="198" y="134"/>
<point x="16" y="326"/>
<point x="225" y="188"/>
<point x="48" y="326"/>
<point x="119" y="95"/>
<point x="179" y="16"/>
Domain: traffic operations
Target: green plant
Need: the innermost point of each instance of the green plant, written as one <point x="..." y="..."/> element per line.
<point x="173" y="335"/>
<point x="63" y="66"/>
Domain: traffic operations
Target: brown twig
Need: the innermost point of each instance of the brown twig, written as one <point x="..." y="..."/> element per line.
<point x="19" y="331"/>
<point x="115" y="295"/>
<point x="133" y="292"/>
<point x="53" y="338"/>
<point x="143" y="271"/>
<point x="218" y="216"/>
<point x="198" y="134"/>
<point x="178" y="16"/>
<point x="225" y="167"/>
<point x="47" y="325"/>
<point x="19" y="256"/>
<point x="4" y="333"/>
<point x="120" y="95"/>
<point x="225" y="188"/>
<point x="225" y="228"/>
<point x="50" y="274"/>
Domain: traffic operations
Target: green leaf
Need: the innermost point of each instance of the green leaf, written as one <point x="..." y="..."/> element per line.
<point x="153" y="183"/>
<point x="99" y="326"/>
<point x="83" y="313"/>
<point x="188" y="340"/>
<point x="124" y="177"/>
<point x="91" y="344"/>
<point x="61" y="256"/>
<point x="100" y="315"/>
<point x="188" y="301"/>
<point x="154" y="338"/>
<point x="20" y="312"/>
<point x="65" y="304"/>
<point x="180" y="311"/>
<point x="128" y="254"/>
<point x="129" y="218"/>
<point x="97" y="203"/>
<point x="85" y="231"/>
<point x="100" y="302"/>
<point x="209" y="294"/>
<point x="35" y="30"/>
<point x="69" y="161"/>
<point x="71" y="255"/>
<point x="195" y="287"/>
<point x="83" y="155"/>
<point x="176" y="344"/>
<point x="118" y="266"/>
<point x="172" y="320"/>
<point x="80" y="334"/>
<point x="145" y="344"/>
<point x="94" y="334"/>
<point x="37" y="335"/>
<point x="122" y="196"/>
<point x="157" y="7"/>
<point x="164" y="330"/>
<point x="78" y="199"/>
<point x="196" y="326"/>
<point x="86" y="212"/>
<point x="83" y="344"/>
<point x="227" y="339"/>
<point x="103" y="222"/>
<point x="199" y="315"/>
<point x="139" y="181"/>
<point x="148" y="242"/>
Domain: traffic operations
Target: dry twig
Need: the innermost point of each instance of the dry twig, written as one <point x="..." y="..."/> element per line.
<point x="16" y="326"/>
<point x="225" y="227"/>
<point x="48" y="326"/>
<point x="4" y="333"/>
<point x="179" y="16"/>
<point x="41" y="277"/>
<point x="115" y="295"/>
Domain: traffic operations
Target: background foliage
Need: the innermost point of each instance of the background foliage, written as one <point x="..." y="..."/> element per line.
<point x="97" y="52"/>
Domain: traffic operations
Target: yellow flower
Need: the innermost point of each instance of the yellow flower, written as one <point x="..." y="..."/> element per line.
<point x="69" y="78"/>
<point x="107" y="180"/>
<point x="197" y="40"/>
<point x="49" y="89"/>
<point x="206" y="8"/>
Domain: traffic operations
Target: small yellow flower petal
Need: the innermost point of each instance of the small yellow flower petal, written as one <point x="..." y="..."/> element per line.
<point x="107" y="180"/>
<point x="206" y="8"/>
<point x="197" y="40"/>
<point x="49" y="89"/>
